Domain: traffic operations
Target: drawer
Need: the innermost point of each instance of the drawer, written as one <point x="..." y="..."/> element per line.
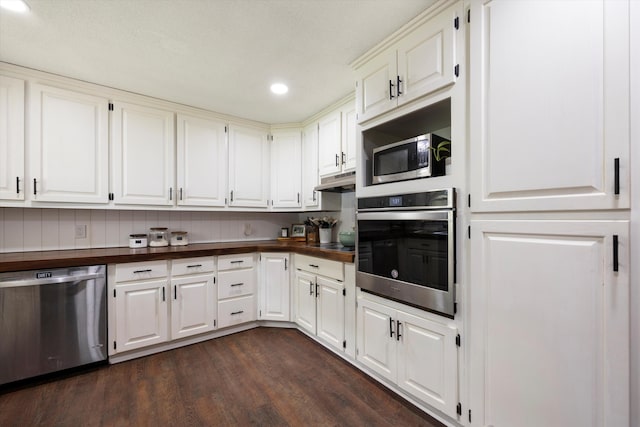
<point x="236" y="311"/>
<point x="236" y="283"/>
<point x="140" y="270"/>
<point x="234" y="262"/>
<point x="180" y="267"/>
<point x="320" y="266"/>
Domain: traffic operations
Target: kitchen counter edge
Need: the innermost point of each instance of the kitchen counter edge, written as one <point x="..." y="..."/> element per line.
<point x="16" y="261"/>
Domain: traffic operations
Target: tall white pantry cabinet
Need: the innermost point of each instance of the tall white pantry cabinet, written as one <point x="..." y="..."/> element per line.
<point x="550" y="197"/>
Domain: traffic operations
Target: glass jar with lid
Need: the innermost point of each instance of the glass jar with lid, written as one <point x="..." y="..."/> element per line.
<point x="158" y="236"/>
<point x="179" y="238"/>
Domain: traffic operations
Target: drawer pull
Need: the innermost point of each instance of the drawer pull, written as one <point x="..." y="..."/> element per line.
<point x="237" y="284"/>
<point x="237" y="262"/>
<point x="314" y="266"/>
<point x="194" y="266"/>
<point x="142" y="271"/>
<point x="237" y="312"/>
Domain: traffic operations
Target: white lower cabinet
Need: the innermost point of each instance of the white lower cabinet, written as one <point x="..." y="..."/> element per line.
<point x="320" y="299"/>
<point x="140" y="306"/>
<point x="193" y="290"/>
<point x="237" y="279"/>
<point x="418" y="354"/>
<point x="274" y="287"/>
<point x="549" y="344"/>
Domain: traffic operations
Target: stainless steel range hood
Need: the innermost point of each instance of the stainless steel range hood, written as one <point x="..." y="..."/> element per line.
<point x="338" y="183"/>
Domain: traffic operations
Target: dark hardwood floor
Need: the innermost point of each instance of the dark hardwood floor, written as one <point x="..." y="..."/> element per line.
<point x="265" y="376"/>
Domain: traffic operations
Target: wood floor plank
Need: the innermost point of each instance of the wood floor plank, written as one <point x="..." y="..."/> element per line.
<point x="264" y="376"/>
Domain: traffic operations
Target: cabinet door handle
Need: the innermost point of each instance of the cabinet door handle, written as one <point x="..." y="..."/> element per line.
<point x="391" y="90"/>
<point x="616" y="176"/>
<point x="313" y="265"/>
<point x="337" y="160"/>
<point x="142" y="271"/>
<point x="317" y="293"/>
<point x="175" y="292"/>
<point x="180" y="193"/>
<point x="310" y="288"/>
<point x="398" y="334"/>
<point x="314" y="195"/>
<point x="285" y="264"/>
<point x="398" y="85"/>
<point x="344" y="158"/>
<point x="390" y="327"/>
<point x="17" y="185"/>
<point x="615" y="252"/>
<point x="163" y="296"/>
<point x="231" y="196"/>
<point x="298" y="197"/>
<point x="237" y="262"/>
<point x="170" y="193"/>
<point x="35" y="186"/>
<point x="236" y="284"/>
<point x="194" y="265"/>
<point x="237" y="312"/>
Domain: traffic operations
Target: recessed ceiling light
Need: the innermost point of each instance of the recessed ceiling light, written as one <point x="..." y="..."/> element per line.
<point x="15" y="5"/>
<point x="279" y="88"/>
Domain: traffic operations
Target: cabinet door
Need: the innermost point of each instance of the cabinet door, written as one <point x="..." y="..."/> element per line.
<point x="376" y="86"/>
<point x="248" y="167"/>
<point x="68" y="145"/>
<point x="274" y="287"/>
<point x="306" y="301"/>
<point x="348" y="138"/>
<point x="11" y="138"/>
<point x="426" y="57"/>
<point x="143" y="155"/>
<point x="546" y="137"/>
<point x="286" y="169"/>
<point x="202" y="161"/>
<point x="193" y="305"/>
<point x="310" y="176"/>
<point x="550" y="323"/>
<point x="376" y="338"/>
<point x="141" y="314"/>
<point x="428" y="361"/>
<point x="329" y="135"/>
<point x="331" y="311"/>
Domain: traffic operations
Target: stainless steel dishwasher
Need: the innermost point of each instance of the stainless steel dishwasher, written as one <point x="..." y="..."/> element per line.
<point x="51" y="320"/>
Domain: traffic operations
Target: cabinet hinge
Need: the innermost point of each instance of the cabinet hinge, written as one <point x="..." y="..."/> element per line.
<point x="344" y="292"/>
<point x="469" y="231"/>
<point x="459" y="408"/>
<point x="458" y="340"/>
<point x="469" y="200"/>
<point x="111" y="106"/>
<point x="469" y="415"/>
<point x="456" y="23"/>
<point x="114" y="345"/>
<point x="456" y="70"/>
<point x="469" y="20"/>
<point x="344" y="344"/>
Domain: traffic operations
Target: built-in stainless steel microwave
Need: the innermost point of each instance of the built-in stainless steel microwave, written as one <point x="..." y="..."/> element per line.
<point x="418" y="157"/>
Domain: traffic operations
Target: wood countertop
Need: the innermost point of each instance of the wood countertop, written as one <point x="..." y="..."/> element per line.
<point x="16" y="261"/>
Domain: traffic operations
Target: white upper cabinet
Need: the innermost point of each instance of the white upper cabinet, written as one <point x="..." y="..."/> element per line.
<point x="143" y="145"/>
<point x="286" y="169"/>
<point x="549" y="339"/>
<point x="549" y="105"/>
<point x="68" y="145"/>
<point x="248" y="167"/>
<point x="337" y="141"/>
<point x="310" y="176"/>
<point x="11" y="138"/>
<point x="201" y="161"/>
<point x="418" y="64"/>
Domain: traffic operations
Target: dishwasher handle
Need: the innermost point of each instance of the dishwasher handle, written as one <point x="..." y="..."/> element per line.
<point x="51" y="280"/>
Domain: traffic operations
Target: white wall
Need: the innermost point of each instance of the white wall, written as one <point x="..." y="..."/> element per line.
<point x="32" y="229"/>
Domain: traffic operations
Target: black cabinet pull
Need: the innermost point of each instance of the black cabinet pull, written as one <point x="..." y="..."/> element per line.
<point x="236" y="284"/>
<point x="310" y="288"/>
<point x="237" y="312"/>
<point x="175" y="292"/>
<point x="35" y="186"/>
<point x="344" y="158"/>
<point x="398" y="86"/>
<point x="170" y="193"/>
<point x="398" y="334"/>
<point x="298" y="197"/>
<point x="615" y="252"/>
<point x="313" y="265"/>
<point x="194" y="266"/>
<point x="317" y="293"/>
<point x="391" y="90"/>
<point x="237" y="262"/>
<point x="163" y="296"/>
<point x="337" y="160"/>
<point x="390" y="327"/>
<point x="616" y="176"/>
<point x="17" y="185"/>
<point x="180" y="193"/>
<point x="285" y="264"/>
<point x="142" y="271"/>
<point x="231" y="197"/>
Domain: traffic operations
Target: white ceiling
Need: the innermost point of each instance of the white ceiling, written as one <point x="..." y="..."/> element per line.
<point x="221" y="55"/>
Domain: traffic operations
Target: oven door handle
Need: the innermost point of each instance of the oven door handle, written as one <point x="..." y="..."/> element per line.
<point x="406" y="215"/>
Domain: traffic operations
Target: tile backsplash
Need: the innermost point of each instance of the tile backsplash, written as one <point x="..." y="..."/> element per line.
<point x="32" y="229"/>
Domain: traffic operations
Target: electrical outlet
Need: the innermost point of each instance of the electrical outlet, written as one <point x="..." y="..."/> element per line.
<point x="81" y="231"/>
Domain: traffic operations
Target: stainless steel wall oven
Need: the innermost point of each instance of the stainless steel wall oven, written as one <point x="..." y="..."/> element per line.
<point x="406" y="249"/>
